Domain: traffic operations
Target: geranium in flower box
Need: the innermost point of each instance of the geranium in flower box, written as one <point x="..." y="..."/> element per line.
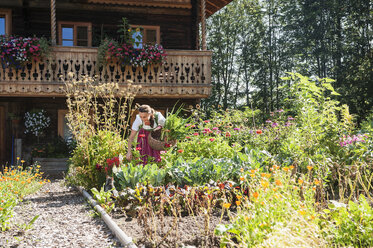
<point x="16" y="52"/>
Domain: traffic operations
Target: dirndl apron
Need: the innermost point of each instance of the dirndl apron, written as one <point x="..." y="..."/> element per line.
<point x="145" y="149"/>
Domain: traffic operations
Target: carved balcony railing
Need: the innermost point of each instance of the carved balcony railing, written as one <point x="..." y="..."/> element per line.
<point x="185" y="74"/>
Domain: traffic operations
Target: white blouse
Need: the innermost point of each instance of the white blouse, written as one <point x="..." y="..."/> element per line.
<point x="138" y="122"/>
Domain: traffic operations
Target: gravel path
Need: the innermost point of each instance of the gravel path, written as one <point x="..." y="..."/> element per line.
<point x="65" y="220"/>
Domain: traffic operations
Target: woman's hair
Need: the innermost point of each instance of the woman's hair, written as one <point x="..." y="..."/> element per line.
<point x="147" y="109"/>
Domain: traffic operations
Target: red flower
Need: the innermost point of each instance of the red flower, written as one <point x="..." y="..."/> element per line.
<point x="98" y="167"/>
<point x="167" y="145"/>
<point x="142" y="135"/>
<point x="227" y="134"/>
<point x="206" y="121"/>
<point x="196" y="134"/>
<point x="138" y="148"/>
<point x="212" y="139"/>
<point x="180" y="150"/>
<point x="258" y="131"/>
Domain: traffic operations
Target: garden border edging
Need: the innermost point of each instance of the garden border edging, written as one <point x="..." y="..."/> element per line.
<point x="123" y="238"/>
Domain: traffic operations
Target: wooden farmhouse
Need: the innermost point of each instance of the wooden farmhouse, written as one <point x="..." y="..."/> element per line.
<point x="76" y="29"/>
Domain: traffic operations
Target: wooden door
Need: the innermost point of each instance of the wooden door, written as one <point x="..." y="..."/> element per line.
<point x="2" y="135"/>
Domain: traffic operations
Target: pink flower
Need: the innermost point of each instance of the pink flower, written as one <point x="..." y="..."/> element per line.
<point x="211" y="139"/>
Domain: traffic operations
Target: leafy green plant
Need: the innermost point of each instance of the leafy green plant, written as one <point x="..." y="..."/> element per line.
<point x="132" y="175"/>
<point x="175" y="127"/>
<point x="349" y="225"/>
<point x="104" y="198"/>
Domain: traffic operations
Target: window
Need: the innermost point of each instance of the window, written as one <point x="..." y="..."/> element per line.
<point x="5" y="21"/>
<point x="75" y="34"/>
<point x="146" y="35"/>
<point x="63" y="129"/>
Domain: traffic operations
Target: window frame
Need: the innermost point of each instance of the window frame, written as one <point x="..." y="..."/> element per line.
<point x="8" y="20"/>
<point x="147" y="27"/>
<point x="75" y="38"/>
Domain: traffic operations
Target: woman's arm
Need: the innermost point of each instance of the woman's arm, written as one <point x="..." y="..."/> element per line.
<point x="130" y="140"/>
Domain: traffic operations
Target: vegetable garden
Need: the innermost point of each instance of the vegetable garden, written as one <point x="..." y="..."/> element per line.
<point x="302" y="177"/>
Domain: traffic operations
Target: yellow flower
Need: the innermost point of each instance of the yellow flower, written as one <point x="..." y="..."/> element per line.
<point x="264" y="184"/>
<point x="226" y="205"/>
<point x="252" y="175"/>
<point x="247" y="218"/>
<point x="241" y="169"/>
<point x="302" y="212"/>
<point x="17" y="158"/>
<point x="300" y="181"/>
<point x="275" y="189"/>
<point x="316" y="182"/>
<point x="238" y="203"/>
<point x="291" y="167"/>
<point x="22" y="161"/>
<point x="239" y="197"/>
<point x="309" y="167"/>
<point x="285" y="169"/>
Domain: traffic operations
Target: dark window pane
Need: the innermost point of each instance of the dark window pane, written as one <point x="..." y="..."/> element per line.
<point x="2" y="25"/>
<point x="82" y="33"/>
<point x="67" y="43"/>
<point x="82" y="42"/>
<point x="151" y="36"/>
<point x="67" y="33"/>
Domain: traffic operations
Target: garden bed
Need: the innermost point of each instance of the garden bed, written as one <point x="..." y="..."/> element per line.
<point x="190" y="230"/>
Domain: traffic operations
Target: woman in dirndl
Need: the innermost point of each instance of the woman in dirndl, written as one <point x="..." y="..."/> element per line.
<point x="147" y="120"/>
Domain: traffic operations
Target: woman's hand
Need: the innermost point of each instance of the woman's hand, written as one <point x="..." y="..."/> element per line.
<point x="129" y="156"/>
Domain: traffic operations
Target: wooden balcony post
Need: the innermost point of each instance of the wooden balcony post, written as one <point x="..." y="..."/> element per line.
<point x="203" y="24"/>
<point x="53" y="22"/>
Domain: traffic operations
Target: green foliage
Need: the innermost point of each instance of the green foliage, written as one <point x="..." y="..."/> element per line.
<point x="15" y="183"/>
<point x="134" y="175"/>
<point x="255" y="42"/>
<point x="349" y="225"/>
<point x="83" y="170"/>
<point x="176" y="127"/>
<point x="104" y="198"/>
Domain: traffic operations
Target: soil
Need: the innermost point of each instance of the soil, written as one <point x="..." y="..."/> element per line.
<point x="188" y="232"/>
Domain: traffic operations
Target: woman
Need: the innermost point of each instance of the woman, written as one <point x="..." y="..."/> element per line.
<point x="145" y="122"/>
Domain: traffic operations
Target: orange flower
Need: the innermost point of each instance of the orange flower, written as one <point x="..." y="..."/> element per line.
<point x="285" y="169"/>
<point x="239" y="197"/>
<point x="226" y="205"/>
<point x="242" y="178"/>
<point x="275" y="189"/>
<point x="256" y="195"/>
<point x="1" y="209"/>
<point x="291" y="167"/>
<point x="252" y="175"/>
<point x="241" y="169"/>
<point x="180" y="151"/>
<point x="316" y="182"/>
<point x="300" y="181"/>
<point x="238" y="203"/>
<point x="259" y="131"/>
<point x="309" y="167"/>
<point x="278" y="182"/>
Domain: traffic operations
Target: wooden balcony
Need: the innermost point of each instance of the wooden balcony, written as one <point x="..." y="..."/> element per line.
<point x="186" y="74"/>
